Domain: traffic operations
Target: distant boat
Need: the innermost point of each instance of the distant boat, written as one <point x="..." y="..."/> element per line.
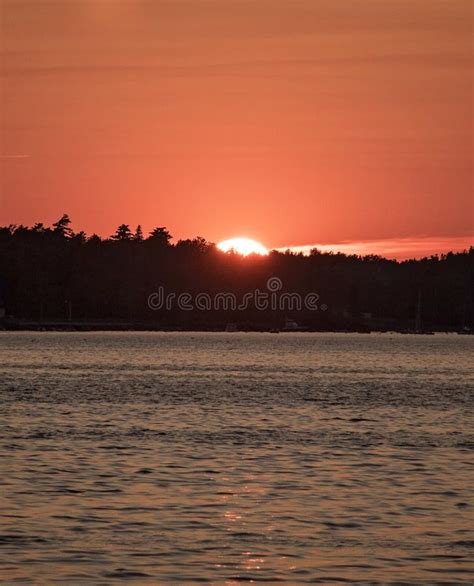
<point x="466" y="332"/>
<point x="291" y="326"/>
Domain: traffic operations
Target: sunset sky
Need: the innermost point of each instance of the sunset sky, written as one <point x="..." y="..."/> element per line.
<point x="293" y="122"/>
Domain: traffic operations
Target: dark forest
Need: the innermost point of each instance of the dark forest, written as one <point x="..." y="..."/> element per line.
<point x="52" y="277"/>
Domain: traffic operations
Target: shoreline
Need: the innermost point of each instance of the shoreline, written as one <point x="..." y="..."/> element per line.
<point x="106" y="326"/>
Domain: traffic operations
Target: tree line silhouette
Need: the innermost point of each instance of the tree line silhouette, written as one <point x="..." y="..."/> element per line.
<point x="52" y="275"/>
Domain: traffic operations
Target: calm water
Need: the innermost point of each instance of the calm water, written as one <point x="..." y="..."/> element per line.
<point x="185" y="458"/>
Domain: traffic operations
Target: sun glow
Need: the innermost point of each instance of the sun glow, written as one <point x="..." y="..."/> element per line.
<point x="243" y="246"/>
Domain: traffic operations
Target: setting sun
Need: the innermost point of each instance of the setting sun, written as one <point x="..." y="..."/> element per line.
<point x="243" y="246"/>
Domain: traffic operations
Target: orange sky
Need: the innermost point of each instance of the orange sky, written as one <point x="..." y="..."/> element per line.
<point x="289" y="121"/>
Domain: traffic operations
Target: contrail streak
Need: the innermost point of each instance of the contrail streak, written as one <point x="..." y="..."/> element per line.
<point x="14" y="156"/>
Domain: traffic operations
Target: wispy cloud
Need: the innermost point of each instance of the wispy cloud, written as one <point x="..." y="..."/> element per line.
<point x="396" y="248"/>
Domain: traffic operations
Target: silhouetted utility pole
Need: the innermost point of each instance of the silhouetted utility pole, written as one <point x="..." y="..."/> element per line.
<point x="418" y="312"/>
<point x="69" y="310"/>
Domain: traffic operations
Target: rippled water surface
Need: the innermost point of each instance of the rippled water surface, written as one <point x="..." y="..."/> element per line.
<point x="185" y="458"/>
